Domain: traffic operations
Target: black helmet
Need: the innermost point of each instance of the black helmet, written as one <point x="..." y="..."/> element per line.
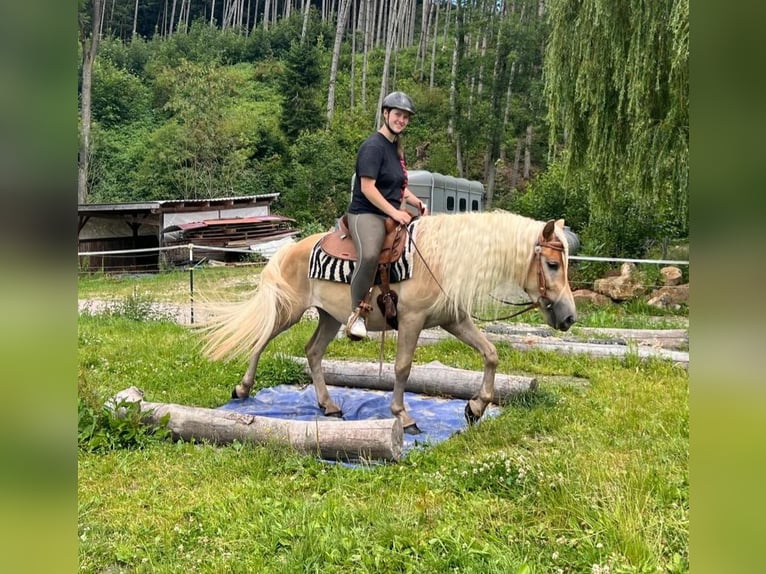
<point x="398" y="100"/>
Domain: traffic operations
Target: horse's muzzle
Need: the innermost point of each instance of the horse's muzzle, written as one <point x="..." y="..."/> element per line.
<point x="558" y="315"/>
<point x="567" y="322"/>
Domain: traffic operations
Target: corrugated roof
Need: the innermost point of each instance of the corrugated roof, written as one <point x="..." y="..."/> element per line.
<point x="229" y="221"/>
<point x="159" y="204"/>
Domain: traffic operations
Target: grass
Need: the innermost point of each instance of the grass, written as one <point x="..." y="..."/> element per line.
<point x="172" y="286"/>
<point x="574" y="478"/>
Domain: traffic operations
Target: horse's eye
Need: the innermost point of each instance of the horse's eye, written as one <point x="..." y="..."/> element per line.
<point x="552" y="265"/>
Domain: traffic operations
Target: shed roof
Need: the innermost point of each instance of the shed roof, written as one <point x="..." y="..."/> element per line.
<point x="170" y="205"/>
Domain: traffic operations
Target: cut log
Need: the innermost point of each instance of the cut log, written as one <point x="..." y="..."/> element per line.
<point x="665" y="338"/>
<point x="380" y="439"/>
<point x="555" y="344"/>
<point x="433" y="378"/>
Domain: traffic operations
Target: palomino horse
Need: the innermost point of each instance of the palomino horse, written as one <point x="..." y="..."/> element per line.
<point x="459" y="259"/>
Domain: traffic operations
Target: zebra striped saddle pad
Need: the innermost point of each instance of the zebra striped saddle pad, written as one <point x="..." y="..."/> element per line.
<point x="325" y="266"/>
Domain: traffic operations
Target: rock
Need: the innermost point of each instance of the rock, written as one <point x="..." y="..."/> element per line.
<point x="623" y="287"/>
<point x="669" y="297"/>
<point x="587" y="295"/>
<point x="671" y="276"/>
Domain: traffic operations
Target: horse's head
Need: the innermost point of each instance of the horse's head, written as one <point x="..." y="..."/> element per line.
<point x="547" y="283"/>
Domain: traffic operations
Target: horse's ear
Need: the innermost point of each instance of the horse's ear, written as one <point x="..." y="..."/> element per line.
<point x="548" y="230"/>
<point x="560" y="223"/>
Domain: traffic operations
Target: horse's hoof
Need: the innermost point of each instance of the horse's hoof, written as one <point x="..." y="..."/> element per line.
<point x="234" y="394"/>
<point x="334" y="414"/>
<point x="412" y="429"/>
<point x="470" y="418"/>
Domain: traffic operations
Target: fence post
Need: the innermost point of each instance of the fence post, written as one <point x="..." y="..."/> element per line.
<point x="191" y="282"/>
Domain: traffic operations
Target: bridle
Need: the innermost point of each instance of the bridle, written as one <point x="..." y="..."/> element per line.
<point x="556" y="245"/>
<point x="542" y="300"/>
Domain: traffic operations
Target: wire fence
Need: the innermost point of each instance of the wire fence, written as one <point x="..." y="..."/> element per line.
<point x="191" y="247"/>
<point x="195" y="258"/>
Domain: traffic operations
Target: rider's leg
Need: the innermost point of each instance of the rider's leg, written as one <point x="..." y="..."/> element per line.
<point x="368" y="231"/>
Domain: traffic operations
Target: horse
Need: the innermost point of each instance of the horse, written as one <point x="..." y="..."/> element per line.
<point x="457" y="260"/>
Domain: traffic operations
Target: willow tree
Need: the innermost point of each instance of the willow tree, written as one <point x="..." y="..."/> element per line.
<point x="617" y="91"/>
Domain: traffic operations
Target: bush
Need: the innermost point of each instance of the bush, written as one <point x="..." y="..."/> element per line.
<point x="119" y="97"/>
<point x="551" y="196"/>
<point x="102" y="427"/>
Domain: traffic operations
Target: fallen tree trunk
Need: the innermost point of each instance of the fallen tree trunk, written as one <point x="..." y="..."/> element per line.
<point x="563" y="346"/>
<point x="665" y="338"/>
<point x="431" y="379"/>
<point x="379" y="439"/>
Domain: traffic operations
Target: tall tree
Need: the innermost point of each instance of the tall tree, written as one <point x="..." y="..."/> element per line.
<point x="340" y="28"/>
<point x="617" y="89"/>
<point x="394" y="18"/>
<point x="90" y="25"/>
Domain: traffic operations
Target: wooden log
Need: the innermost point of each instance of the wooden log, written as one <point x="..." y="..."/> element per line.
<point x="380" y="439"/>
<point x="433" y="378"/>
<point x="564" y="346"/>
<point x="665" y="338"/>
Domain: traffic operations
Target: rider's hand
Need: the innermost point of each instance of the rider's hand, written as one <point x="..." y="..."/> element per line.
<point x="403" y="216"/>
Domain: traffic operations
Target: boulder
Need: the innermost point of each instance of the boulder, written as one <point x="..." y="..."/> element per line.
<point x="626" y="285"/>
<point x="582" y="295"/>
<point x="671" y="276"/>
<point x="669" y="297"/>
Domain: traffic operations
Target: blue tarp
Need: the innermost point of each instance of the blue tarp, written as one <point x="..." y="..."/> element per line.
<point x="438" y="418"/>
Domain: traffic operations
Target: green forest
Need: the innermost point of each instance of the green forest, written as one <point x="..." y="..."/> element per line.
<point x="561" y="108"/>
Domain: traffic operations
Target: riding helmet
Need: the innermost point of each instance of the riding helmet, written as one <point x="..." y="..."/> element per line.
<point x="400" y="101"/>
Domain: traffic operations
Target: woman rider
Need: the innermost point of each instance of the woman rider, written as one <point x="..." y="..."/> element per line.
<point x="380" y="188"/>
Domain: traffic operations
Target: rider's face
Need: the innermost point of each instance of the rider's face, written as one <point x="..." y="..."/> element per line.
<point x="397" y="120"/>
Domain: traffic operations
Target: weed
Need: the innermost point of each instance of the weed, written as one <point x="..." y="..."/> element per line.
<point x="113" y="426"/>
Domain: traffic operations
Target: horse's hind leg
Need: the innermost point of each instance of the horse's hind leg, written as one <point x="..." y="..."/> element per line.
<point x="466" y="331"/>
<point x="242" y="390"/>
<point x="325" y="332"/>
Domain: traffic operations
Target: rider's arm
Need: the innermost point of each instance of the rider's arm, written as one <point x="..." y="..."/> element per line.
<point x="371" y="192"/>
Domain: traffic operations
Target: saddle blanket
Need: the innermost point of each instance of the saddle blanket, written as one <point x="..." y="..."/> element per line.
<point x="329" y="268"/>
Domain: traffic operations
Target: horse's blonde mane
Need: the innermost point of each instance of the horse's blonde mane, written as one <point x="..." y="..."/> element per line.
<point x="472" y="253"/>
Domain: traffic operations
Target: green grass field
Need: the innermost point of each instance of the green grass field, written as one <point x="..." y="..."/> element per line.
<point x="577" y="477"/>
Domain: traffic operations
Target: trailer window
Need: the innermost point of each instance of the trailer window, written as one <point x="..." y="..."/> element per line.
<point x="475" y="205"/>
<point x="450" y="203"/>
<point x="463" y="204"/>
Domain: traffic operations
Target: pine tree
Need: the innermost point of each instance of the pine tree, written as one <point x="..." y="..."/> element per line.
<point x="299" y="85"/>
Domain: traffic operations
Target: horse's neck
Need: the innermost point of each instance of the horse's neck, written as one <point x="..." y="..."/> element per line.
<point x="479" y="252"/>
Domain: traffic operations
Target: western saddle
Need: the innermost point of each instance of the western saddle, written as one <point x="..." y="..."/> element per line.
<point x="339" y="244"/>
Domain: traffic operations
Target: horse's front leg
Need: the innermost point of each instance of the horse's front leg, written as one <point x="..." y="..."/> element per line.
<point x="405" y="349"/>
<point x="315" y="349"/>
<point x="466" y="331"/>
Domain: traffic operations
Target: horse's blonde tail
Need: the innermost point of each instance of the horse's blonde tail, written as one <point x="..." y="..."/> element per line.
<point x="234" y="329"/>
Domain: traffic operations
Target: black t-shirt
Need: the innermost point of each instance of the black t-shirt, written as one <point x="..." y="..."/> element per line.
<point x="377" y="159"/>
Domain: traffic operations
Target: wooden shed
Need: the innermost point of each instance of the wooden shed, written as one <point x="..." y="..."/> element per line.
<point x="233" y="222"/>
